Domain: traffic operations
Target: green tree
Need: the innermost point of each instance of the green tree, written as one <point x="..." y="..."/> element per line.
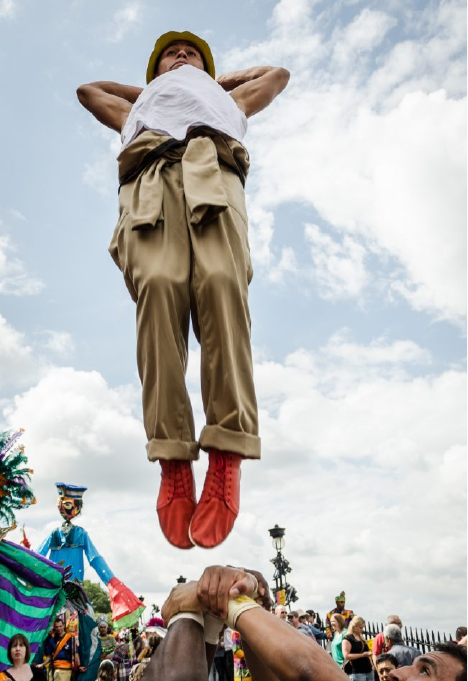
<point x="98" y="597"/>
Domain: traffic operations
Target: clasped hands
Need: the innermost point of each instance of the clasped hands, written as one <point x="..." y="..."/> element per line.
<point x="213" y="590"/>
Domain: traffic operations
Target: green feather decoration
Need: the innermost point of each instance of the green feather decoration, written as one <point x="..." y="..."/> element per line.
<point x="15" y="477"/>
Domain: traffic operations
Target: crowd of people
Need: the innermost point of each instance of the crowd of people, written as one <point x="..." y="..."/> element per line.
<point x="223" y="627"/>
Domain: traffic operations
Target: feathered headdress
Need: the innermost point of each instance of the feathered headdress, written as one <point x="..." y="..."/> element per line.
<point x="15" y="478"/>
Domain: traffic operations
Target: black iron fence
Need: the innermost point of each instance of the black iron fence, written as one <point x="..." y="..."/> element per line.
<point x="422" y="639"/>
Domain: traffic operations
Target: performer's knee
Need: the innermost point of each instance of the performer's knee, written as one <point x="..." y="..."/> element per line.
<point x="219" y="285"/>
<point x="162" y="285"/>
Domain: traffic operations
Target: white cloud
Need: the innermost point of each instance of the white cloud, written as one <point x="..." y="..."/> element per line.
<point x="363" y="463"/>
<point x="80" y="428"/>
<point x="8" y="9"/>
<point x="378" y="153"/>
<point x="338" y="268"/>
<point x="286" y="265"/>
<point x="123" y="20"/>
<point x="101" y="174"/>
<point x="379" y="352"/>
<point x="14" y="280"/>
<point x="362" y="35"/>
<point x="18" y="215"/>
<point x="18" y="366"/>
<point x="59" y="342"/>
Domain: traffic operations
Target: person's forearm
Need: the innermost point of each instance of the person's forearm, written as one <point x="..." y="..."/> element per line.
<point x="181" y="654"/>
<point x="257" y="669"/>
<point x="128" y="92"/>
<point x="284" y="651"/>
<point x="229" y="81"/>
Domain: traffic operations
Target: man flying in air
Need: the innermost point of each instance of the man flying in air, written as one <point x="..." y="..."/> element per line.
<point x="182" y="245"/>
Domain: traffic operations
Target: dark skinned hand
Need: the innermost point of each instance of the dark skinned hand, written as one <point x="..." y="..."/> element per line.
<point x="218" y="584"/>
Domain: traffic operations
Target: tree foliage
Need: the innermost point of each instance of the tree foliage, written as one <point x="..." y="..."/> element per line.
<point x="98" y="597"/>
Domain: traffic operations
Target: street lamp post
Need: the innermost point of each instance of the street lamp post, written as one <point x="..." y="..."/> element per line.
<point x="284" y="592"/>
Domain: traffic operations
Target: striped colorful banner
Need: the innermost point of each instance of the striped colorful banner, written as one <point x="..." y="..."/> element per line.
<point x="31" y="595"/>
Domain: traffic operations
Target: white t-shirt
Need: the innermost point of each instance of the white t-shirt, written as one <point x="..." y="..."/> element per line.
<point x="182" y="99"/>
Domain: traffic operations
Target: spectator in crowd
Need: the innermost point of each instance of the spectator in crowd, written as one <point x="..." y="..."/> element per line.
<point x="314" y="619"/>
<point x="106" y="640"/>
<point x="107" y="671"/>
<point x="136" y="642"/>
<point x="123" y="658"/>
<point x="309" y="620"/>
<point x="144" y="657"/>
<point x="219" y="659"/>
<point x="304" y="623"/>
<point x="447" y="662"/>
<point x="293" y="619"/>
<point x="460" y="634"/>
<point x="385" y="664"/>
<point x="356" y="651"/>
<point x="61" y="653"/>
<point x="340" y="610"/>
<point x="395" y="644"/>
<point x="228" y="654"/>
<point x="19" y="654"/>
<point x="339" y="629"/>
<point x="378" y="646"/>
<point x="281" y="612"/>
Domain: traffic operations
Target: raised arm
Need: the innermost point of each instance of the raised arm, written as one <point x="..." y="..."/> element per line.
<point x="285" y="652"/>
<point x="109" y="102"/>
<point x="254" y="89"/>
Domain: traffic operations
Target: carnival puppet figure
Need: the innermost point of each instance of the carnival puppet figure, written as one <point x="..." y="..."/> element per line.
<point x="69" y="544"/>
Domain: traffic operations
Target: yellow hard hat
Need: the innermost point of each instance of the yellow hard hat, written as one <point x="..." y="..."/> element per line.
<point x="172" y="37"/>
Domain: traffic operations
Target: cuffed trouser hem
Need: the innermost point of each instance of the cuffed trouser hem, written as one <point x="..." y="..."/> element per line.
<point x="216" y="437"/>
<point x="172" y="449"/>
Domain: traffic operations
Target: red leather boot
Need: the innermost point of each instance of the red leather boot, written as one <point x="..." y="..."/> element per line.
<point x="176" y="502"/>
<point x="218" y="507"/>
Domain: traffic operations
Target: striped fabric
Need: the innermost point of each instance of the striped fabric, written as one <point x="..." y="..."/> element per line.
<point x="31" y="595"/>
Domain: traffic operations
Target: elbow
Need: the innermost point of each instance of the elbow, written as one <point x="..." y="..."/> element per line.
<point x="284" y="75"/>
<point x="81" y="92"/>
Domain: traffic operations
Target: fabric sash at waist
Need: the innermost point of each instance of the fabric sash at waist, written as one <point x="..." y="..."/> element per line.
<point x="200" y="155"/>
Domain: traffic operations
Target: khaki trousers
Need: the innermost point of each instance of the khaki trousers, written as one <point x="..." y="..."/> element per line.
<point x="175" y="271"/>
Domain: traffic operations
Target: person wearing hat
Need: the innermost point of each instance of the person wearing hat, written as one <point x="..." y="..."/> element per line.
<point x="182" y="244"/>
<point x="340" y="610"/>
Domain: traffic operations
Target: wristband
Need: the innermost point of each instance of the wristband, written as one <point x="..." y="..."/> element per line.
<point x="196" y="616"/>
<point x="213" y="627"/>
<point x="236" y="606"/>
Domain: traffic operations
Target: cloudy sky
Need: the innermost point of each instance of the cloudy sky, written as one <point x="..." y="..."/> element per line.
<point x="357" y="224"/>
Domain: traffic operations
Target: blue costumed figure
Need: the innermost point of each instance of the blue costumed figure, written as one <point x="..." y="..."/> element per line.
<point x="33" y="589"/>
<point x="69" y="544"/>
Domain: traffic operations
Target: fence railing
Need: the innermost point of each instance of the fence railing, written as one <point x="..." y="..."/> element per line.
<point x="423" y="640"/>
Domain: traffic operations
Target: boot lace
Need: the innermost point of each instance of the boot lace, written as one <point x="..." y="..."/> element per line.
<point x="177" y="475"/>
<point x="219" y="476"/>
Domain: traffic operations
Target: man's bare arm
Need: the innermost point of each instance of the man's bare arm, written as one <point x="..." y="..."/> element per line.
<point x="109" y="102"/>
<point x="289" y="655"/>
<point x="254" y="89"/>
